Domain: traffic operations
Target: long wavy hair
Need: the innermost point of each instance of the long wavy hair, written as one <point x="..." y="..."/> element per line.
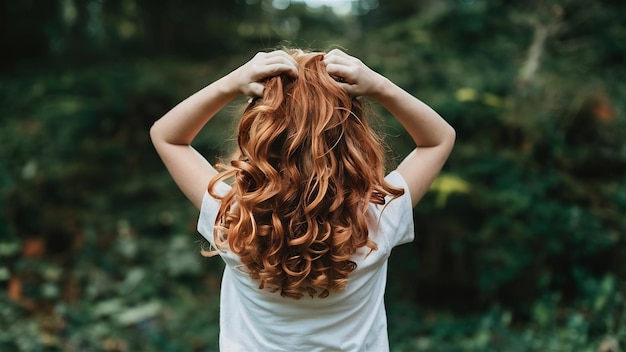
<point x="308" y="168"/>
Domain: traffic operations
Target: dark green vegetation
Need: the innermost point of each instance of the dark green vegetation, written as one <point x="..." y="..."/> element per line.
<point x="521" y="245"/>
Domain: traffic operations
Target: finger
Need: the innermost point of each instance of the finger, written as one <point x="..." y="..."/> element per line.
<point x="342" y="60"/>
<point x="340" y="57"/>
<point x="349" y="88"/>
<point x="347" y="73"/>
<point x="280" y="56"/>
<point x="256" y="89"/>
<point x="345" y="67"/>
<point x="277" y="56"/>
<point x="283" y="64"/>
<point x="272" y="70"/>
<point x="337" y="52"/>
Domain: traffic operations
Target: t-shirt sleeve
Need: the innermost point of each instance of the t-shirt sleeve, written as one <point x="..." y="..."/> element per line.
<point x="208" y="212"/>
<point x="396" y="218"/>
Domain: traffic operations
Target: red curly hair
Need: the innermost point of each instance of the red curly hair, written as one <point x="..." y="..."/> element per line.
<point x="309" y="166"/>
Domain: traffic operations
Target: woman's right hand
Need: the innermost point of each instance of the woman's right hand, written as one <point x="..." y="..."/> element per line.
<point x="247" y="78"/>
<point x="433" y="136"/>
<point x="353" y="75"/>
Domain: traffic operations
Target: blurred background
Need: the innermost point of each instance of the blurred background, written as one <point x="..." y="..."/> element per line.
<point x="521" y="242"/>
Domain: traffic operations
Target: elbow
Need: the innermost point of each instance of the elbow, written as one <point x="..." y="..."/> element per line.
<point x="161" y="134"/>
<point x="153" y="132"/>
<point x="156" y="131"/>
<point x="449" y="136"/>
<point x="449" y="139"/>
<point x="156" y="135"/>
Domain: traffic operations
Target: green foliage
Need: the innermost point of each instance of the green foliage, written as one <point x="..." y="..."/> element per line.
<point x="549" y="328"/>
<point x="541" y="157"/>
<point x="101" y="251"/>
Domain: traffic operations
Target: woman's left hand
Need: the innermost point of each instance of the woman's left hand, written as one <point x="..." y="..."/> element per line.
<point x="248" y="77"/>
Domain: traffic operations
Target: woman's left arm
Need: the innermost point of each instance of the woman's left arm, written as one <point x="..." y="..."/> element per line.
<point x="173" y="133"/>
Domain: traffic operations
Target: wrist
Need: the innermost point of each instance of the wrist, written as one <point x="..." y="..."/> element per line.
<point x="381" y="89"/>
<point x="228" y="86"/>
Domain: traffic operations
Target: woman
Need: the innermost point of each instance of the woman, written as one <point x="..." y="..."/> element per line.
<point x="304" y="217"/>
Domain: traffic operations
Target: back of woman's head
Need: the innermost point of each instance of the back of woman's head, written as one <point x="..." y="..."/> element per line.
<point x="308" y="169"/>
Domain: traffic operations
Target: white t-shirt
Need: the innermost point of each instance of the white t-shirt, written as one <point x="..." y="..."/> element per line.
<point x="350" y="320"/>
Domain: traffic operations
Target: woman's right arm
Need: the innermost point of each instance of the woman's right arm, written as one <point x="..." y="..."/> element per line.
<point x="433" y="136"/>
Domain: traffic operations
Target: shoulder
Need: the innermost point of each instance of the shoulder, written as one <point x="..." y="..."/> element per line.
<point x="209" y="209"/>
<point x="395" y="217"/>
<point x="396" y="179"/>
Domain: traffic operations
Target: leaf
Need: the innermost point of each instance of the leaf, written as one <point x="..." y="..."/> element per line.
<point x="33" y="247"/>
<point x="138" y="314"/>
<point x="447" y="184"/>
<point x="14" y="291"/>
<point x="108" y="307"/>
<point x="465" y="94"/>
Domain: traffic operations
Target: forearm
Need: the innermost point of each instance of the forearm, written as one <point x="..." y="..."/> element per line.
<point x="172" y="134"/>
<point x="425" y="126"/>
<point x="181" y="124"/>
<point x="433" y="136"/>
